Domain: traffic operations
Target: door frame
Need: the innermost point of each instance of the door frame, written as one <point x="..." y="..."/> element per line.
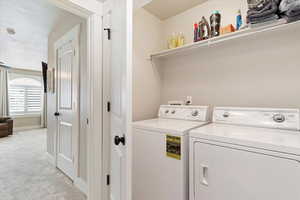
<point x="91" y="11"/>
<point x="73" y="32"/>
<point x="129" y="96"/>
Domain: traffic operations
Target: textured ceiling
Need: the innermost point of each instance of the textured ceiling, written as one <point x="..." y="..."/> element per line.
<point x="164" y="9"/>
<point x="32" y="20"/>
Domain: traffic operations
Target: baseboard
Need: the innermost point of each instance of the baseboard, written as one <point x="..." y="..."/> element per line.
<point x="78" y="182"/>
<point x="50" y="158"/>
<point x="81" y="185"/>
<point x="25" y="128"/>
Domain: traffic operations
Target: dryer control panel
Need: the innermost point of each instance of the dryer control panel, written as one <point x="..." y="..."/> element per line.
<point x="194" y="113"/>
<point x="258" y="117"/>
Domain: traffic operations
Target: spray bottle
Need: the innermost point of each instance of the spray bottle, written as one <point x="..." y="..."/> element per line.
<point x="196" y="38"/>
<point x="239" y="21"/>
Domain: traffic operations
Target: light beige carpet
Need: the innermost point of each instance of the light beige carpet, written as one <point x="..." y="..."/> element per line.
<point x="25" y="173"/>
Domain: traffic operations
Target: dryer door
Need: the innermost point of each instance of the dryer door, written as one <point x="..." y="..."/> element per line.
<point x="223" y="173"/>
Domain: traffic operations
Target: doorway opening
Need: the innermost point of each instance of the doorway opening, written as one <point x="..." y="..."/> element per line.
<point x="33" y="32"/>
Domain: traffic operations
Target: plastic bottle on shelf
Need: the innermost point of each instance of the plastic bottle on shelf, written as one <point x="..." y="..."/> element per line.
<point x="177" y="37"/>
<point x="181" y="40"/>
<point x="215" y="23"/>
<point x="239" y="21"/>
<point x="174" y="41"/>
<point x="196" y="31"/>
<point x="170" y="42"/>
<point x="204" y="29"/>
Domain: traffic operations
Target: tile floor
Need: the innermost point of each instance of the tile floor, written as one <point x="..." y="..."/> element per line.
<point x="25" y="173"/>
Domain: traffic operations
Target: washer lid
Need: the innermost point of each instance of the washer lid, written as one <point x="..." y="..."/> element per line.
<point x="171" y="126"/>
<point x="285" y="141"/>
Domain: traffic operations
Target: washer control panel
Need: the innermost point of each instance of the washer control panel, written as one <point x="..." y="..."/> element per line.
<point x="258" y="117"/>
<point x="194" y="113"/>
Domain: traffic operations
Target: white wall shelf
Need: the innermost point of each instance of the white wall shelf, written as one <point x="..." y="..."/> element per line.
<point x="230" y="36"/>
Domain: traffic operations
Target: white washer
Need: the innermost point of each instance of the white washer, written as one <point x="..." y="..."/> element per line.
<point x="246" y="154"/>
<point x="160" y="153"/>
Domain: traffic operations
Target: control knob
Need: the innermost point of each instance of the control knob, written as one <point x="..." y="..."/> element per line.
<point x="195" y="113"/>
<point x="279" y="118"/>
<point x="226" y="115"/>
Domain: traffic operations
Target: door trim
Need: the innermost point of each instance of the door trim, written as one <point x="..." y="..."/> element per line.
<point x="129" y="95"/>
<point x="91" y="10"/>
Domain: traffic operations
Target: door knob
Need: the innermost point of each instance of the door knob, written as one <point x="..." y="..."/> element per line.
<point x="56" y="114"/>
<point x="119" y="140"/>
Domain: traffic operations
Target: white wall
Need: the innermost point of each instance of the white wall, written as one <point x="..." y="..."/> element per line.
<point x="146" y="79"/>
<point x="256" y="71"/>
<point x="26" y="123"/>
<point x="259" y="71"/>
<point x="65" y="24"/>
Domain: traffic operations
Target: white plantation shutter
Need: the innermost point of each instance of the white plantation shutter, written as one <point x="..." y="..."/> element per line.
<point x="25" y="96"/>
<point x="16" y="99"/>
<point x="33" y="100"/>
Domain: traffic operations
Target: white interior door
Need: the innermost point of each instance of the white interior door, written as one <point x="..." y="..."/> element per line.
<point x="120" y="92"/>
<point x="106" y="102"/>
<point x="67" y="63"/>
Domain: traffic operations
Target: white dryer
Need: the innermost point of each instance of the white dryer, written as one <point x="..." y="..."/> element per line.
<point x="160" y="153"/>
<point x="246" y="154"/>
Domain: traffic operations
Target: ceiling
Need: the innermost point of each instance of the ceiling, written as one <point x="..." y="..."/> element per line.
<point x="163" y="9"/>
<point x="32" y="21"/>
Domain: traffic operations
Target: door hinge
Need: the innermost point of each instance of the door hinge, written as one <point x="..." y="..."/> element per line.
<point x="107" y="179"/>
<point x="108" y="33"/>
<point x="108" y="106"/>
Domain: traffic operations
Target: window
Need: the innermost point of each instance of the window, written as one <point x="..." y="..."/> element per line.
<point x="25" y="95"/>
